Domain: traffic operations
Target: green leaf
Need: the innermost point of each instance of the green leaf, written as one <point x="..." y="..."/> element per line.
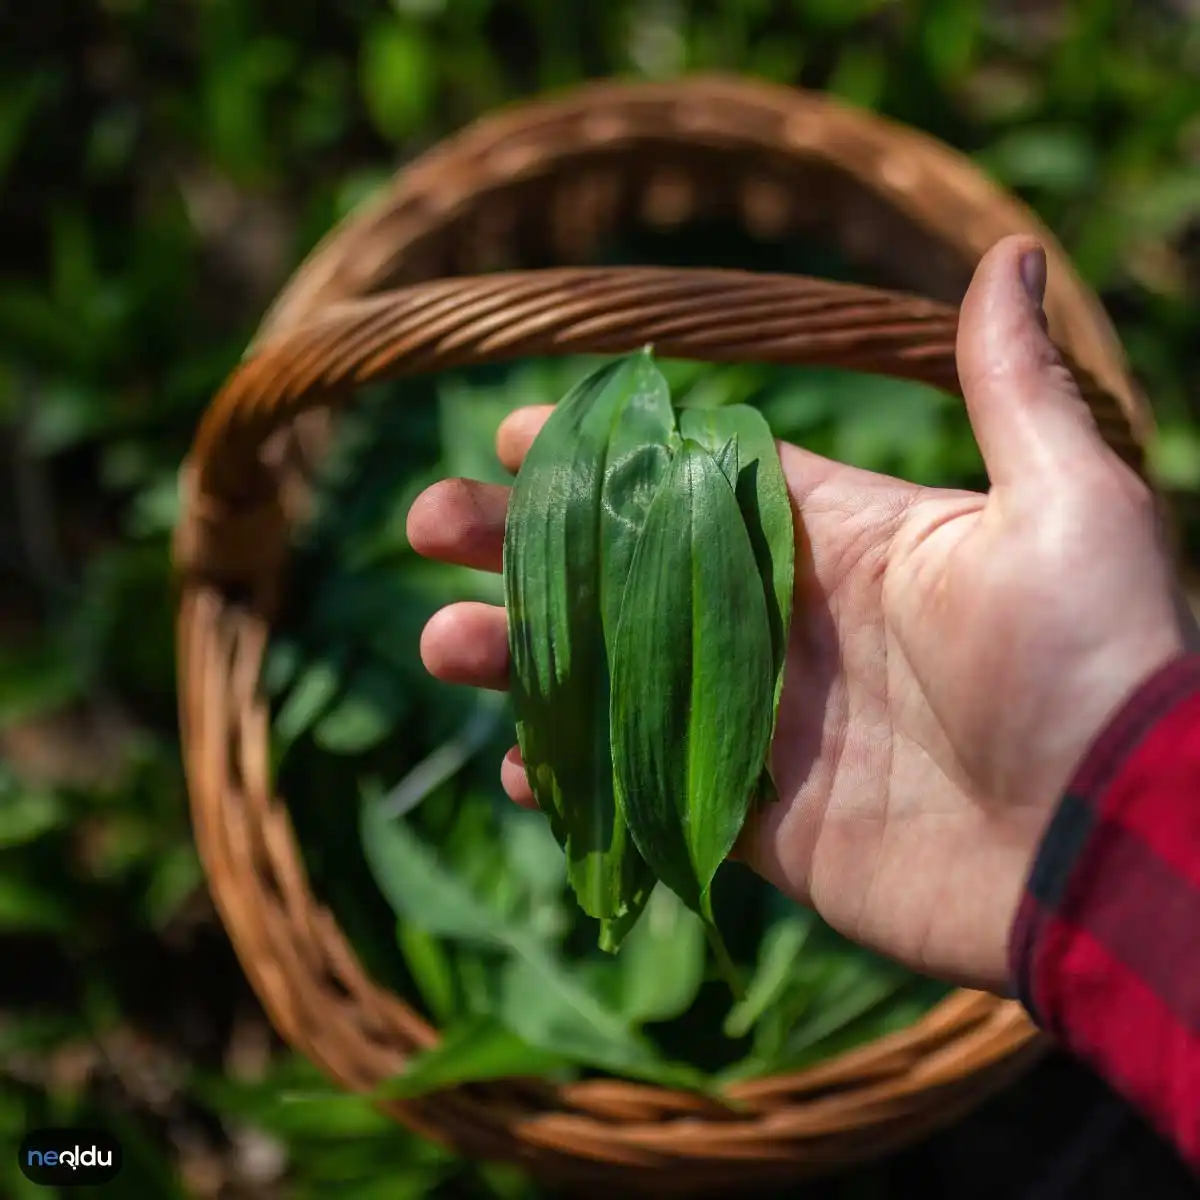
<point x="727" y="458"/>
<point x="507" y="1181"/>
<point x="694" y="635"/>
<point x="175" y="876"/>
<point x="236" y="94"/>
<point x="1059" y="159"/>
<point x="856" y="986"/>
<point x="887" y="424"/>
<point x="553" y="1012"/>
<point x="766" y="508"/>
<point x="420" y="888"/>
<point x="37" y="679"/>
<point x="894" y="1008"/>
<point x="479" y="1050"/>
<point x="429" y="965"/>
<point x="531" y="991"/>
<point x="26" y="907"/>
<point x="475" y="983"/>
<point x="860" y="76"/>
<point x="532" y="854"/>
<point x="305" y="1109"/>
<point x="156" y="507"/>
<point x="1175" y="454"/>
<point x="284" y="658"/>
<point x="448" y="759"/>
<point x="662" y="962"/>
<point x="574" y="515"/>
<point x="309" y="699"/>
<point x="777" y="956"/>
<point x="1165" y="206"/>
<point x="367" y="712"/>
<point x="398" y="78"/>
<point x="26" y="813"/>
<point x="950" y="34"/>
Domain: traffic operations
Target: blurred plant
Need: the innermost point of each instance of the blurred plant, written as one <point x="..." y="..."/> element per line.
<point x="162" y="167"/>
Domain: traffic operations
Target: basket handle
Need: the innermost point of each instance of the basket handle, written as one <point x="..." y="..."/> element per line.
<point x="718" y="316"/>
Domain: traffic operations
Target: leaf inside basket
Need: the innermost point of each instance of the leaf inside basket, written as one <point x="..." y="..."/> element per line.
<point x="471" y="1053"/>
<point x="662" y="961"/>
<point x="528" y="990"/>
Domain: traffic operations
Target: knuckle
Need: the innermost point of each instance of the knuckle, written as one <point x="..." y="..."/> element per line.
<point x="1135" y="494"/>
<point x="1117" y="492"/>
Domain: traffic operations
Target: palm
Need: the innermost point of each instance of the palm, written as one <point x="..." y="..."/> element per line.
<point x="875" y="826"/>
<point x="953" y="656"/>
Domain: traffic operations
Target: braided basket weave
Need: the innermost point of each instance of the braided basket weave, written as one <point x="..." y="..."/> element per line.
<point x="423" y="279"/>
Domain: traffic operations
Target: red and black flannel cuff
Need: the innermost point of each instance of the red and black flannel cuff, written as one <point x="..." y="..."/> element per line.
<point x="1105" y="951"/>
<point x="1119" y="864"/>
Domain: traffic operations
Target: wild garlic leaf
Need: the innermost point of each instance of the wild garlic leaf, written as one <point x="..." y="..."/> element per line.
<point x="637" y="458"/>
<point x="574" y="517"/>
<point x="422" y="888"/>
<point x="727" y="459"/>
<point x="477" y="1050"/>
<point x="692" y="679"/>
<point x="859" y="985"/>
<point x="662" y="962"/>
<point x="766" y="506"/>
<point x="428" y="963"/>
<point x="522" y="981"/>
<point x="781" y="947"/>
<point x="896" y="1007"/>
<point x="559" y="1016"/>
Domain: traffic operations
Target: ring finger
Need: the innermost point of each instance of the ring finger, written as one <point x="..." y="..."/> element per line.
<point x="467" y="643"/>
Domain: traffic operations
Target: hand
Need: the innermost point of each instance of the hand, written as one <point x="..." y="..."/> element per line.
<point x="952" y="655"/>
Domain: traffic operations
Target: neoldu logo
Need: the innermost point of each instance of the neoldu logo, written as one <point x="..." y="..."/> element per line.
<point x="69" y="1157"/>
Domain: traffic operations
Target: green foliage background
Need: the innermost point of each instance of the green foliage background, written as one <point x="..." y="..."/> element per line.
<point x="164" y="164"/>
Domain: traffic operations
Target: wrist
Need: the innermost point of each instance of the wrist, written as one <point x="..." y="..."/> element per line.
<point x="1100" y="690"/>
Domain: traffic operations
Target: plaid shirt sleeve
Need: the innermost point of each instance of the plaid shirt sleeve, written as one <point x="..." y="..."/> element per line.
<point x="1105" y="950"/>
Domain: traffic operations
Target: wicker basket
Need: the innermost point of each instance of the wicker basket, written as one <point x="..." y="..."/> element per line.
<point x="421" y="280"/>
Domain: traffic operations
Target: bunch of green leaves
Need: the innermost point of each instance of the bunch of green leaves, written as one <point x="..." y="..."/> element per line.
<point x="648" y="565"/>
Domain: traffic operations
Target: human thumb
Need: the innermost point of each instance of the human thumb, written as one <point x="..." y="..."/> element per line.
<point x="1025" y="407"/>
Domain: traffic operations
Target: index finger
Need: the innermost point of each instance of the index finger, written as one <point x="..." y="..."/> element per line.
<point x="516" y="434"/>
